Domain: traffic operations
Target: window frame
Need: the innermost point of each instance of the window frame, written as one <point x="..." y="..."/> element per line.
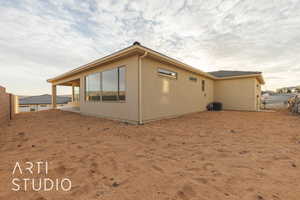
<point x="203" y="85"/>
<point x="193" y="79"/>
<point x="125" y="81"/>
<point x="77" y="98"/>
<point x="85" y="87"/>
<point x="115" y="69"/>
<point x="101" y="86"/>
<point x="166" y="75"/>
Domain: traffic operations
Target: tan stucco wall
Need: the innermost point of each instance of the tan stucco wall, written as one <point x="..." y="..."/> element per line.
<point x="128" y="110"/>
<point x="236" y="94"/>
<point x="4" y="106"/>
<point x="8" y="105"/>
<point x="165" y="97"/>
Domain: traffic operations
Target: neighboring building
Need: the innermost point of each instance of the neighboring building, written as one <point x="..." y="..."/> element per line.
<point x="294" y="89"/>
<point x="137" y="84"/>
<point x="41" y="102"/>
<point x="268" y="92"/>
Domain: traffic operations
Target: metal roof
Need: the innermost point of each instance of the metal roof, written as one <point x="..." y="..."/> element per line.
<point x="43" y="99"/>
<point x="225" y="73"/>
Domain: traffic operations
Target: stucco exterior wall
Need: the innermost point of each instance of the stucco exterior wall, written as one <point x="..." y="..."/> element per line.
<point x="8" y="105"/>
<point x="166" y="97"/>
<point x="4" y="106"/>
<point x="128" y="110"/>
<point x="236" y="94"/>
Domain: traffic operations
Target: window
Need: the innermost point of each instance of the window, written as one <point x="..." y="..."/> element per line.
<point x="110" y="85"/>
<point x="203" y="85"/>
<point x="106" y="86"/>
<point x="193" y="79"/>
<point x="92" y="87"/>
<point x="76" y="93"/>
<point x="167" y="73"/>
<point x="113" y="84"/>
<point x="122" y="84"/>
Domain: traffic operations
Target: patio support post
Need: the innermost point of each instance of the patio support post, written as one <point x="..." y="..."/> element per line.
<point x="73" y="97"/>
<point x="53" y="96"/>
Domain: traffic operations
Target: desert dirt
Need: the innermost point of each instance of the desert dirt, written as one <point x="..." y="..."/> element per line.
<point x="207" y="155"/>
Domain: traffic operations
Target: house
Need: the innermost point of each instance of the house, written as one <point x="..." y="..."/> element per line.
<point x="40" y="102"/>
<point x="138" y="84"/>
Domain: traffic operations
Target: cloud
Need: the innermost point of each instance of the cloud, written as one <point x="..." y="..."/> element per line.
<point x="41" y="39"/>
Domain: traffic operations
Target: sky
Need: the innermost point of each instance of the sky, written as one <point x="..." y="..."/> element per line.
<point x="42" y="39"/>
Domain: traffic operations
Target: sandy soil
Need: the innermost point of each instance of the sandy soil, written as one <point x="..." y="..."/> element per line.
<point x="209" y="155"/>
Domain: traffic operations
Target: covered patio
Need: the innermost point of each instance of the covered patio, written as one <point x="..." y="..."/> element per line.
<point x="75" y="109"/>
<point x="74" y="105"/>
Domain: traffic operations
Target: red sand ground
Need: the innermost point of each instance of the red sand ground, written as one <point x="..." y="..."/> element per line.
<point x="209" y="155"/>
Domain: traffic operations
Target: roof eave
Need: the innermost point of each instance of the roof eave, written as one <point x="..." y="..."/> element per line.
<point x="258" y="76"/>
<point x="124" y="52"/>
<point x="175" y="62"/>
<point x="261" y="79"/>
<point x="95" y="63"/>
<point x="141" y="49"/>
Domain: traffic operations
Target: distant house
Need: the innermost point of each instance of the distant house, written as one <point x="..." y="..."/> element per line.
<point x="41" y="102"/>
<point x="294" y="89"/>
<point x="138" y="84"/>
